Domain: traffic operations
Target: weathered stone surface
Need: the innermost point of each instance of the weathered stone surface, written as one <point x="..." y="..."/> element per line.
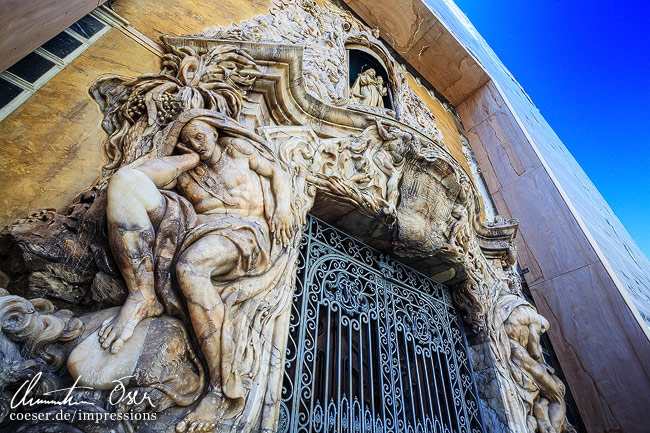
<point x="155" y="18"/>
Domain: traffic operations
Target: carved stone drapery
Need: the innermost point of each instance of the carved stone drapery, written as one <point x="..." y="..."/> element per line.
<point x="279" y="111"/>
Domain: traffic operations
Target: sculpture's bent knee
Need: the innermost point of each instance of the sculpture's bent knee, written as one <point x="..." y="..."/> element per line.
<point x="131" y="196"/>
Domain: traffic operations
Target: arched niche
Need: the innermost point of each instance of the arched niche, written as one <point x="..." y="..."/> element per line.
<point x="361" y="60"/>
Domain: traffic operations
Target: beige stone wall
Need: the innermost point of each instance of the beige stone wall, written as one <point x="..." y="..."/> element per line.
<point x="154" y="18"/>
<point x="51" y="146"/>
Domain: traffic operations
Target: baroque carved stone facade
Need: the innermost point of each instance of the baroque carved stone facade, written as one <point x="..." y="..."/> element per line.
<point x="179" y="264"/>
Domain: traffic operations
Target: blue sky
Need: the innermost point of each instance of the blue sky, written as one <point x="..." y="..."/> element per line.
<point x="586" y="66"/>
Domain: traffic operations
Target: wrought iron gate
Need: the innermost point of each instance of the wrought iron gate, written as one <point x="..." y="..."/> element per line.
<point x="373" y="346"/>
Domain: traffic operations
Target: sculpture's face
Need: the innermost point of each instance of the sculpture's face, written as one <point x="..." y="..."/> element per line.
<point x="202" y="138"/>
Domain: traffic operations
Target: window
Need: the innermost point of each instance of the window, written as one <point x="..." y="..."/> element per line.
<point x="24" y="78"/>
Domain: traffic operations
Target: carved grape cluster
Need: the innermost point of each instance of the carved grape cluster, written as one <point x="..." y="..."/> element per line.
<point x="136" y="107"/>
<point x="165" y="109"/>
<point x="168" y="108"/>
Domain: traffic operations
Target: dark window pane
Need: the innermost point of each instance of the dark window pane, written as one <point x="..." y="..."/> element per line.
<point x="61" y="45"/>
<point x="8" y="92"/>
<point x="87" y="26"/>
<point x="31" y="67"/>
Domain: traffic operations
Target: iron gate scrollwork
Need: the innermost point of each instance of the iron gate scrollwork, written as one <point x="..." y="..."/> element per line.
<point x="373" y="346"/>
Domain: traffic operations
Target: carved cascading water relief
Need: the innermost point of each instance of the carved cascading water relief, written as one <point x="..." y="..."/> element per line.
<point x="173" y="275"/>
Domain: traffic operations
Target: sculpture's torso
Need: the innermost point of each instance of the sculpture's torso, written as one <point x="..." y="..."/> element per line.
<point x="227" y="186"/>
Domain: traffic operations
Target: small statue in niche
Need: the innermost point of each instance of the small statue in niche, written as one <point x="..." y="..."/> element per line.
<point x="368" y="89"/>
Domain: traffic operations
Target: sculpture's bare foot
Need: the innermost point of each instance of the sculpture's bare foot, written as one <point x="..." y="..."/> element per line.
<point x="205" y="417"/>
<point x="116" y="330"/>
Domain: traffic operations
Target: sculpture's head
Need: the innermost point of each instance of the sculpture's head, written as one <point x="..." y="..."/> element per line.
<point x="201" y="137"/>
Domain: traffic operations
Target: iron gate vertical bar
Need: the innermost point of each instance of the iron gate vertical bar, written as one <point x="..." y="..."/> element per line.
<point x="326" y="403"/>
<point x="391" y="385"/>
<point x="417" y="371"/>
<point x="298" y="368"/>
<point x="452" y="356"/>
<point x="398" y="358"/>
<point x="479" y="411"/>
<point x="362" y="403"/>
<point x="442" y="383"/>
<point x="435" y="381"/>
<point x="350" y="402"/>
<point x="338" y="371"/>
<point x="462" y="409"/>
<point x="408" y="371"/>
<point x="388" y="295"/>
<point x="429" y="397"/>
<point x="372" y="378"/>
<point x="314" y="360"/>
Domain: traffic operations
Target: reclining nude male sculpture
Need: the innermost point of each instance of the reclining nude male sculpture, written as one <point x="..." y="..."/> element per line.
<point x="224" y="229"/>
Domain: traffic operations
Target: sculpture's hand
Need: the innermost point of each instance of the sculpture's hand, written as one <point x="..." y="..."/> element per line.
<point x="282" y="225"/>
<point x="182" y="149"/>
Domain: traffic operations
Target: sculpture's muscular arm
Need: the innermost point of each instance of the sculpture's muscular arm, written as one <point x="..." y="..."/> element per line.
<point x="281" y="222"/>
<point x="164" y="171"/>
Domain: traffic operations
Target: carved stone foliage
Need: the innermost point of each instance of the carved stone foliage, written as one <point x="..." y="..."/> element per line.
<point x="364" y="169"/>
<point x="138" y="113"/>
<point x="191" y="235"/>
<point x="324" y="32"/>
